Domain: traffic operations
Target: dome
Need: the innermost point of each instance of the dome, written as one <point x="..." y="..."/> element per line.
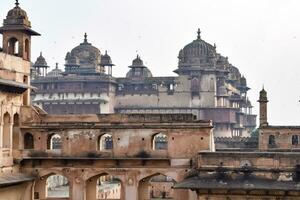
<point x="138" y="70"/>
<point x="55" y="72"/>
<point x="85" y="55"/>
<point x="40" y="61"/>
<point x="138" y="62"/>
<point x="17" y="16"/>
<point x="196" y="53"/>
<point x="106" y="60"/>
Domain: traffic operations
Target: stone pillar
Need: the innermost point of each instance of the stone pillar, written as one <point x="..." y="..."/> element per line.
<point x="78" y="191"/>
<point x="131" y="192"/>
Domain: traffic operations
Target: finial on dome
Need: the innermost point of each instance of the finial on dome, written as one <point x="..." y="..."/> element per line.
<point x="41" y="53"/>
<point x="56" y="65"/>
<point x="85" y="38"/>
<point x="105" y="52"/>
<point x="17" y="3"/>
<point x="199" y="34"/>
<point x="137" y="56"/>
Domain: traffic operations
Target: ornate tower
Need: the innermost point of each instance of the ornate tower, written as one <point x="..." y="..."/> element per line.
<point x="263" y="101"/>
<point x="17" y="33"/>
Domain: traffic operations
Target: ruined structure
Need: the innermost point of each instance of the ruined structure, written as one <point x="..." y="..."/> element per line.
<point x="206" y="85"/>
<point x="126" y="156"/>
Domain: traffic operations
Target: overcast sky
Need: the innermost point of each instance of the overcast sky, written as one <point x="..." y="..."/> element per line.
<point x="260" y="37"/>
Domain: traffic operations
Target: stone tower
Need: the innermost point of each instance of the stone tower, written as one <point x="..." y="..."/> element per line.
<point x="263" y="114"/>
<point x="17" y="33"/>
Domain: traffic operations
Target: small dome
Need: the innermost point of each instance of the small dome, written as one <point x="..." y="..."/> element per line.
<point x="85" y="55"/>
<point x="263" y="95"/>
<point x="243" y="81"/>
<point x="17" y="16"/>
<point x="40" y="61"/>
<point x="106" y="60"/>
<point x="55" y="72"/>
<point x="196" y="53"/>
<point x="234" y="73"/>
<point x="138" y="70"/>
<point x="138" y="62"/>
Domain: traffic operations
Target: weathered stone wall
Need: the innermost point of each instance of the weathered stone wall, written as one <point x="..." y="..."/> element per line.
<point x="282" y="138"/>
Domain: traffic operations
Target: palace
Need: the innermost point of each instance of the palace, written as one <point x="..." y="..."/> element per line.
<point x="206" y="85"/>
<point x="126" y="156"/>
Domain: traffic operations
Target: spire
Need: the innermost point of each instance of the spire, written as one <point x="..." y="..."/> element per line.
<point x="85" y="38"/>
<point x="198" y="34"/>
<point x="41" y="54"/>
<point x="17" y="3"/>
<point x="56" y="65"/>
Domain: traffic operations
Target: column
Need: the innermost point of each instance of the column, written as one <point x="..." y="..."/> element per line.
<point x="131" y="192"/>
<point x="78" y="189"/>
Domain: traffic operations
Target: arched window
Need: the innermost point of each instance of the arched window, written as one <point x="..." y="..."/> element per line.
<point x="13" y="46"/>
<point x="6" y="131"/>
<point x="272" y="140"/>
<point x="28" y="141"/>
<point x="54" y="142"/>
<point x="57" y="186"/>
<point x="105" y="142"/>
<point x="295" y="140"/>
<point x="160" y="142"/>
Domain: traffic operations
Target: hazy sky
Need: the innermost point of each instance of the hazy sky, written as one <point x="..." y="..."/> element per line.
<point x="260" y="37"/>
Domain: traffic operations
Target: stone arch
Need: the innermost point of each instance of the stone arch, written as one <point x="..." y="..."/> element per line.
<point x="28" y="141"/>
<point x="54" y="185"/>
<point x="160" y="141"/>
<point x="54" y="142"/>
<point x="104" y="186"/>
<point x="13" y="46"/>
<point x="157" y="185"/>
<point x="6" y="131"/>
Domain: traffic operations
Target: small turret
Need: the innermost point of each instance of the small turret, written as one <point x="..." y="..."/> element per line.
<point x="17" y="32"/>
<point x="263" y="102"/>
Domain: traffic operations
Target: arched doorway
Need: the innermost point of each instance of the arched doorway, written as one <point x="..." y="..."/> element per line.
<point x="6" y="131"/>
<point x="104" y="186"/>
<point x="52" y="186"/>
<point x="157" y="186"/>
